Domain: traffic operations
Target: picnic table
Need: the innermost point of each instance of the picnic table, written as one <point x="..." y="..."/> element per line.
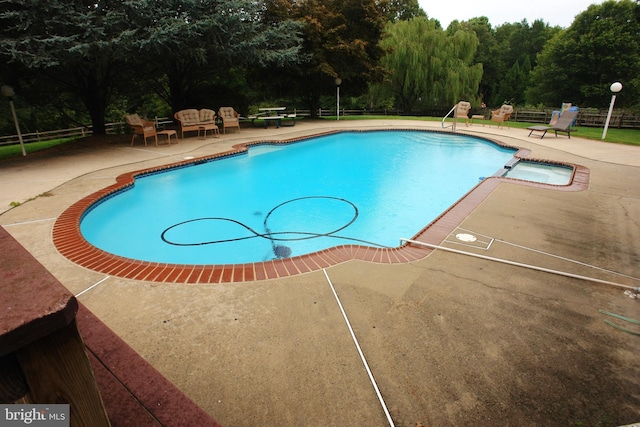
<point x="273" y="114"/>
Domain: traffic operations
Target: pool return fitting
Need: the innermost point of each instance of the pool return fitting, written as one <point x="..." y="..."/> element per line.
<point x="519" y="264"/>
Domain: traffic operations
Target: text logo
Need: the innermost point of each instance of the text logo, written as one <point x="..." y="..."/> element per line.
<point x="34" y="415"/>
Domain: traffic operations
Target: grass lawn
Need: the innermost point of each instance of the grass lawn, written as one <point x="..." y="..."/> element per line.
<point x="614" y="135"/>
<point x="9" y="151"/>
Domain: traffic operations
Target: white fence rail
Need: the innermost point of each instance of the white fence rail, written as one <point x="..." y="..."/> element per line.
<point x="111" y="129"/>
<point x="43" y="136"/>
<point x="588" y="117"/>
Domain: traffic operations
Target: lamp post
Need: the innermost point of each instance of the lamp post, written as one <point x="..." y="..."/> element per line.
<point x="615" y="88"/>
<point x="338" y="83"/>
<point x="9" y="92"/>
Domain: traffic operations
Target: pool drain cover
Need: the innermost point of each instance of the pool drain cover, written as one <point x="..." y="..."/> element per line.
<point x="465" y="237"/>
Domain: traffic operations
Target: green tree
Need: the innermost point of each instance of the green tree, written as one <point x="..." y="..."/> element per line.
<point x="340" y="41"/>
<point x="516" y="50"/>
<point x="102" y="49"/>
<point x="426" y="66"/>
<point x="203" y="47"/>
<point x="76" y="44"/>
<point x="507" y="54"/>
<point x="513" y="84"/>
<point x="487" y="53"/>
<point x="578" y="65"/>
<point x="401" y="10"/>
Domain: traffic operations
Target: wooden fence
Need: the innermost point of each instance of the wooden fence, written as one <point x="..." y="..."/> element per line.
<point x="587" y="117"/>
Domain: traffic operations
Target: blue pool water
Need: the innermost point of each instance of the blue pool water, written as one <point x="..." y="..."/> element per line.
<point x="540" y="172"/>
<point x="369" y="188"/>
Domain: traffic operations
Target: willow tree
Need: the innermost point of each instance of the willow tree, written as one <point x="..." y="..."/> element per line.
<point x="427" y="67"/>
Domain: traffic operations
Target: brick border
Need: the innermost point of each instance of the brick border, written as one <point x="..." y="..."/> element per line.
<point x="69" y="241"/>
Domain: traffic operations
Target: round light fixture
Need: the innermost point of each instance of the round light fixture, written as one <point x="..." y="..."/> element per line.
<point x="616" y="87"/>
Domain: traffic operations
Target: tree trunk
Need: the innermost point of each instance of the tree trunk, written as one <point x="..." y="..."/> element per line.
<point x="94" y="98"/>
<point x="97" y="123"/>
<point x="312" y="97"/>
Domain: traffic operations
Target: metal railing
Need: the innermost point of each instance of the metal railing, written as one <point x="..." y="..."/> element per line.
<point x="454" y="122"/>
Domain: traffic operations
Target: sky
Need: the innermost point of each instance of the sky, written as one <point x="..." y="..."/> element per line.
<point x="554" y="12"/>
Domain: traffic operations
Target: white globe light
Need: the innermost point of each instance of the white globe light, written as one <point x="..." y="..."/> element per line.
<point x="616" y="87"/>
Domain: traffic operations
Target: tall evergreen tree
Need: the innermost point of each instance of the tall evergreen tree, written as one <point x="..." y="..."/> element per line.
<point x="77" y="45"/>
<point x="90" y="48"/>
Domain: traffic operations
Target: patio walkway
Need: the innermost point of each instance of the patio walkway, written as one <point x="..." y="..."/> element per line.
<point x="449" y="339"/>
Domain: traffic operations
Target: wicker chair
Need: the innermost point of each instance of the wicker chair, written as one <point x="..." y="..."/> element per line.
<point x="139" y="126"/>
<point x="501" y="115"/>
<point x="462" y="111"/>
<point x="230" y="118"/>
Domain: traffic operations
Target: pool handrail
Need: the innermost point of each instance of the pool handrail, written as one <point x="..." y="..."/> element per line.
<point x="453" y="124"/>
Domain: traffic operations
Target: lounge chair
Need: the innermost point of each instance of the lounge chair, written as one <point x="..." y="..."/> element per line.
<point x="562" y="125"/>
<point x="230" y="118"/>
<point x="555" y="115"/>
<point x="462" y="111"/>
<point x="501" y="115"/>
<point x="139" y="126"/>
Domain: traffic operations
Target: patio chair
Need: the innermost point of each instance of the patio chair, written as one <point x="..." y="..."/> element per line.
<point x="501" y="115"/>
<point x="555" y="115"/>
<point x="563" y="124"/>
<point x="230" y="118"/>
<point x="462" y="111"/>
<point x="143" y="127"/>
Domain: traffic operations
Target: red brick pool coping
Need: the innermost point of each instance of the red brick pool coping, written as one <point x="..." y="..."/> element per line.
<point x="69" y="241"/>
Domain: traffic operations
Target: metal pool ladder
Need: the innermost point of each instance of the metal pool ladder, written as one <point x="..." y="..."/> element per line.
<point x="455" y="120"/>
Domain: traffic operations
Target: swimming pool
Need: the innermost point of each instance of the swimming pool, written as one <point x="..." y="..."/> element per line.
<point x="283" y="200"/>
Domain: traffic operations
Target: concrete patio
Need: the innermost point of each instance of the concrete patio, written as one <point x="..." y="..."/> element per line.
<point x="449" y="339"/>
